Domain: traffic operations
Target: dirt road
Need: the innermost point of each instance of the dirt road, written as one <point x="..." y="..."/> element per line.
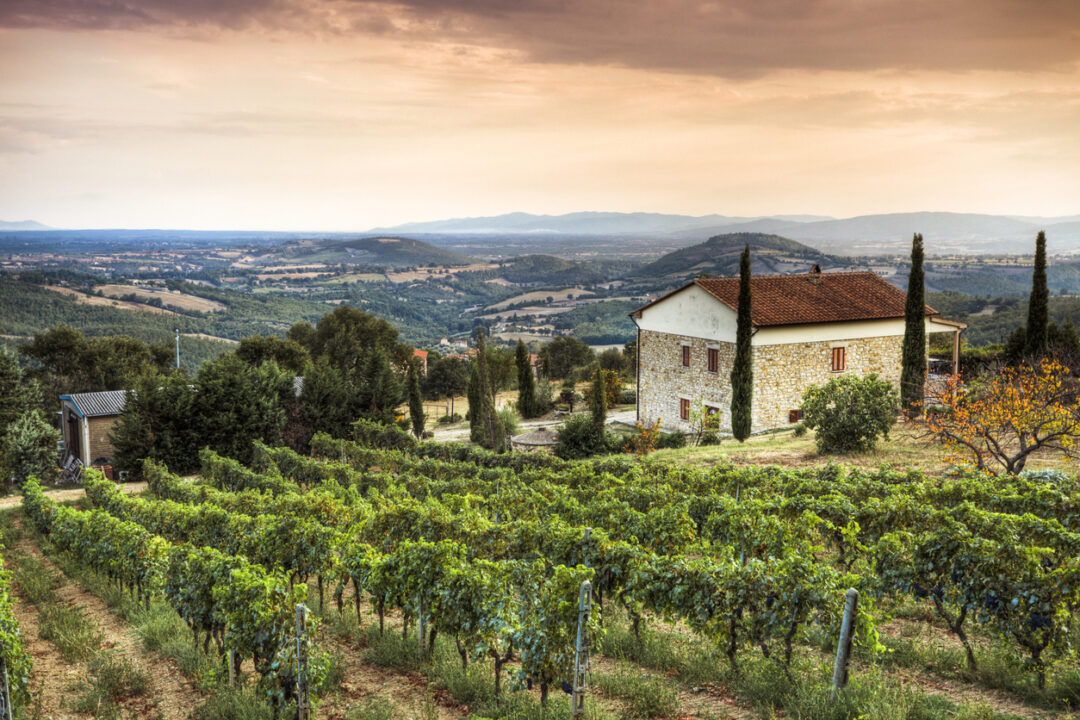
<point x="72" y="494"/>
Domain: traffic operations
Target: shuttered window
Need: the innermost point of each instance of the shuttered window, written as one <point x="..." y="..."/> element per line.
<point x="714" y="360"/>
<point x="684" y="408"/>
<point x="686" y="355"/>
<point x="839" y="359"/>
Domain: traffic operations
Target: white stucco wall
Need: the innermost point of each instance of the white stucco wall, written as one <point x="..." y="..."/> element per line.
<point x="691" y="313"/>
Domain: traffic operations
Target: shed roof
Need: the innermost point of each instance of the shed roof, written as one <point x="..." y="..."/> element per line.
<point x="540" y="437"/>
<point x="808" y="298"/>
<point x="97" y="404"/>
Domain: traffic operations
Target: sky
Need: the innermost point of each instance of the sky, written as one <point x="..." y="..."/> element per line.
<point x="350" y="114"/>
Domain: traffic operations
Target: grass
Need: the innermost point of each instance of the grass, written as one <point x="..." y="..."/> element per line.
<point x="781" y="447"/>
<point x="68" y="629"/>
<point x="112" y="679"/>
<point x="647" y="697"/>
<point x="376" y="708"/>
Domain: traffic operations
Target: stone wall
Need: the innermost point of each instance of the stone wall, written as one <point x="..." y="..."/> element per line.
<point x="781" y="374"/>
<point x="664" y="380"/>
<point x="100" y="445"/>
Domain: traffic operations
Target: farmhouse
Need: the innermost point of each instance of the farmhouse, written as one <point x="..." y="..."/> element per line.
<point x="87" y="419"/>
<point x="807" y="328"/>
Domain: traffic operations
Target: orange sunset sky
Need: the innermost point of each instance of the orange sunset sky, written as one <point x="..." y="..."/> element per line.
<point x="345" y="114"/>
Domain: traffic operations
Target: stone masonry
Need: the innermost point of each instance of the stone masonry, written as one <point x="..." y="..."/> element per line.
<point x="664" y="380"/>
<point x="781" y="374"/>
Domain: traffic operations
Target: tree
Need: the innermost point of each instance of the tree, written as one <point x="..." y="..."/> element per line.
<point x="416" y="402"/>
<point x="447" y="377"/>
<point x="563" y="354"/>
<point x="629" y="352"/>
<point x="598" y="402"/>
<point x="913" y="356"/>
<point x="288" y="354"/>
<point x="492" y="436"/>
<point x="526" y="403"/>
<point x="237" y="404"/>
<point x="157" y="422"/>
<point x="742" y="370"/>
<point x="613" y="386"/>
<point x="17" y="392"/>
<point x="29" y="448"/>
<point x="613" y="359"/>
<point x="303" y="334"/>
<point x="849" y="413"/>
<point x="1039" y="303"/>
<point x="329" y="402"/>
<point x="347" y="336"/>
<point x="476" y="432"/>
<point x="380" y="387"/>
<point x="998" y="419"/>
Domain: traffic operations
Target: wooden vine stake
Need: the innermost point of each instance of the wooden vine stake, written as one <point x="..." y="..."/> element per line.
<point x="7" y="712"/>
<point x="303" y="695"/>
<point x="843" y="646"/>
<point x="581" y="655"/>
<point x="232" y="668"/>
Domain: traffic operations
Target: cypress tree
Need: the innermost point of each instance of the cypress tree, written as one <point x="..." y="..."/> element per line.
<point x="416" y="402"/>
<point x="491" y="428"/>
<point x="1039" y="304"/>
<point x="598" y="406"/>
<point x="913" y="359"/>
<point x="472" y="392"/>
<point x="526" y="383"/>
<point x="742" y="371"/>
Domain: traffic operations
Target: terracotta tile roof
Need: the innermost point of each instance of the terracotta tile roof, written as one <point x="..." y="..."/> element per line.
<point x="420" y="354"/>
<point x="807" y="298"/>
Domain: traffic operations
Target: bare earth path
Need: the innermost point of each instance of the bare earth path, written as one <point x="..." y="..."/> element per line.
<point x="172" y="693"/>
<point x="72" y="494"/>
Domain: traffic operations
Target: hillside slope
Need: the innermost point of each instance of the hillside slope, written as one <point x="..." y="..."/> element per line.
<point x="719" y="255"/>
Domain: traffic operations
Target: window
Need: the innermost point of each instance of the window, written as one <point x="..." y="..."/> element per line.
<point x="794" y="416"/>
<point x="684" y="408"/>
<point x="839" y="359"/>
<point x="714" y="360"/>
<point x="712" y="418"/>
<point x="686" y="356"/>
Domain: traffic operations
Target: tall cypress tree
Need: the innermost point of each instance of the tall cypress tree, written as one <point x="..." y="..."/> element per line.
<point x="526" y="403"/>
<point x="472" y="392"/>
<point x="1039" y="304"/>
<point x="491" y="428"/>
<point x="913" y="359"/>
<point x="416" y="402"/>
<point x="742" y="371"/>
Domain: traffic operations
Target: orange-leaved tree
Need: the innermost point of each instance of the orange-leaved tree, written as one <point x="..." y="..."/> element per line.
<point x="997" y="420"/>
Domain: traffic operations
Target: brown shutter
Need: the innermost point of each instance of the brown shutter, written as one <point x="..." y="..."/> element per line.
<point x="684" y="408"/>
<point x="714" y="360"/>
<point x="686" y="355"/>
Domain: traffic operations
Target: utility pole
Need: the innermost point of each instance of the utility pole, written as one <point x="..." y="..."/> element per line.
<point x="177" y="348"/>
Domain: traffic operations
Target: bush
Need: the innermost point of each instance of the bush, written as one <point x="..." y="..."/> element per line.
<point x="447" y="419"/>
<point x="386" y="437"/>
<point x="709" y="437"/>
<point x="509" y="420"/>
<point x="849" y="413"/>
<point x="628" y="396"/>
<point x="672" y="440"/>
<point x="578" y="438"/>
<point x="799" y="430"/>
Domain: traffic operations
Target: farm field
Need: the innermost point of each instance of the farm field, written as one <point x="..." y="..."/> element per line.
<point x="180" y="300"/>
<point x="84" y="299"/>
<point x="717" y="591"/>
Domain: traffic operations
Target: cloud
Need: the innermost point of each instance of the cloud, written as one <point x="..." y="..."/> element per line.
<point x="731" y="38"/>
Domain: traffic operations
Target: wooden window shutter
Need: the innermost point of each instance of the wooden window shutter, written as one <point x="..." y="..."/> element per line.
<point x="839" y="359"/>
<point x="684" y="408"/>
<point x="714" y="360"/>
<point x="686" y="355"/>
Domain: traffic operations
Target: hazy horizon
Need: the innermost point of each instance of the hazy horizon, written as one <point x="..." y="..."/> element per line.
<point x="334" y="115"/>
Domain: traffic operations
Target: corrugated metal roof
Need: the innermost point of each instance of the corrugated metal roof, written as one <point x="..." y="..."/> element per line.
<point x="98" y="404"/>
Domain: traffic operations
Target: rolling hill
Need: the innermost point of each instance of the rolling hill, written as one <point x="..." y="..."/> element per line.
<point x="719" y="255"/>
<point x="374" y="250"/>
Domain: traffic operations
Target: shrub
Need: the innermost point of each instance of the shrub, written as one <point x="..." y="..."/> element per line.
<point x="387" y="437"/>
<point x="447" y="419"/>
<point x="578" y="438"/>
<point x="709" y="437"/>
<point x="849" y="413"/>
<point x="628" y="396"/>
<point x="799" y="430"/>
<point x="672" y="440"/>
<point x="509" y="420"/>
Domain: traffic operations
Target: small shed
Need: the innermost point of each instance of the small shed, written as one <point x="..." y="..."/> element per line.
<point x="86" y="420"/>
<point x="539" y="439"/>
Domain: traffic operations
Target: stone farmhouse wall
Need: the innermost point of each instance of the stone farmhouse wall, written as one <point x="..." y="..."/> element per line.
<point x="664" y="380"/>
<point x="781" y="373"/>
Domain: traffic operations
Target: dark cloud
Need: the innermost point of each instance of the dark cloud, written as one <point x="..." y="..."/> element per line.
<point x="734" y="38"/>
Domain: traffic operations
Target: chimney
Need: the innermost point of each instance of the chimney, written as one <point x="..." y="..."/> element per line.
<point x="815" y="274"/>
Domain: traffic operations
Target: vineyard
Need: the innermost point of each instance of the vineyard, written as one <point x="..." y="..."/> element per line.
<point x="720" y="589"/>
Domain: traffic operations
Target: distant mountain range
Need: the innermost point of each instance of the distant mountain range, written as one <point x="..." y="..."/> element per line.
<point x="945" y="232"/>
<point x="22" y="225"/>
